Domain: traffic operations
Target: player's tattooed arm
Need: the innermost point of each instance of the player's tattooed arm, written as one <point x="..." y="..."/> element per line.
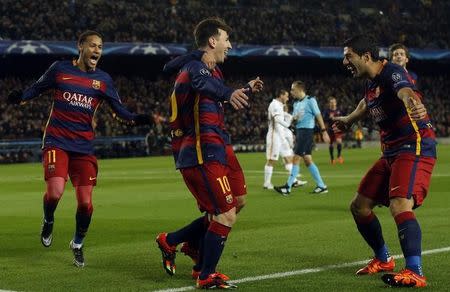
<point x="413" y="104"/>
<point x="344" y="123"/>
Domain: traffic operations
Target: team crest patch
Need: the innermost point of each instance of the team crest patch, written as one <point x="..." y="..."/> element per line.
<point x="51" y="168"/>
<point x="96" y="84"/>
<point x="396" y="77"/>
<point x="205" y="72"/>
<point x="229" y="199"/>
<point x="177" y="133"/>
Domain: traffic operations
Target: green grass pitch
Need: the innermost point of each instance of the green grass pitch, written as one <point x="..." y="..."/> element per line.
<point x="137" y="198"/>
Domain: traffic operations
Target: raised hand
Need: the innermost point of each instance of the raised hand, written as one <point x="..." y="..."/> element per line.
<point x="256" y="85"/>
<point x="239" y="99"/>
<point x="340" y="124"/>
<point x="417" y="110"/>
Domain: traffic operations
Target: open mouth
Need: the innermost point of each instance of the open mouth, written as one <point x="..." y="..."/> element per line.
<point x="225" y="53"/>
<point x="352" y="69"/>
<point x="93" y="60"/>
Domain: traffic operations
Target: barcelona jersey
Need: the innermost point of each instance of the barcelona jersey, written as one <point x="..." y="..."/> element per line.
<point x="398" y="133"/>
<point x="76" y="96"/>
<point x="197" y="115"/>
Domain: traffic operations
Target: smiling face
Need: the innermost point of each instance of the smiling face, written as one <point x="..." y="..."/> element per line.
<point x="354" y="63"/>
<point x="90" y="52"/>
<point x="220" y="44"/>
<point x="399" y="57"/>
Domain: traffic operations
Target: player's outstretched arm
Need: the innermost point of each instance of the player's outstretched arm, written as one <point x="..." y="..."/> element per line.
<point x="344" y="123"/>
<point x="124" y="116"/>
<point x="415" y="108"/>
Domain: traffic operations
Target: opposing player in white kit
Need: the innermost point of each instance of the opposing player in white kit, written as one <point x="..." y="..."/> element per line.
<point x="277" y="142"/>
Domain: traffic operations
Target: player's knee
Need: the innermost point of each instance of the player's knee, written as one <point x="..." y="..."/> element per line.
<point x="85" y="207"/>
<point x="55" y="191"/>
<point x="358" y="209"/>
<point x="400" y="205"/>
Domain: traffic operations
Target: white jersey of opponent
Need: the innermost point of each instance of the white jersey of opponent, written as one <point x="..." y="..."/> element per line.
<point x="276" y="142"/>
<point x="288" y="133"/>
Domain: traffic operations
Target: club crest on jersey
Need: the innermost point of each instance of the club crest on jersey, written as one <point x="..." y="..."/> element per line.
<point x="396" y="77"/>
<point x="205" y="72"/>
<point x="96" y="84"/>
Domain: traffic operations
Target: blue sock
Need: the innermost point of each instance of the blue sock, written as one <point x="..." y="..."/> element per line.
<point x="214" y="243"/>
<point x="410" y="237"/>
<point x="191" y="232"/>
<point x="292" y="177"/>
<point x="382" y="253"/>
<point x="49" y="209"/>
<point x="316" y="175"/>
<point x="370" y="229"/>
<point x="82" y="224"/>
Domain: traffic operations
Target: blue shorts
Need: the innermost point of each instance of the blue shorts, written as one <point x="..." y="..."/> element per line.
<point x="303" y="141"/>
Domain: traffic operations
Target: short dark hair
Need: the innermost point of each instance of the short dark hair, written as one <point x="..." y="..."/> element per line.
<point x="395" y="47"/>
<point x="82" y="38"/>
<point x="299" y="84"/>
<point x="362" y="44"/>
<point x="280" y="92"/>
<point x="207" y="28"/>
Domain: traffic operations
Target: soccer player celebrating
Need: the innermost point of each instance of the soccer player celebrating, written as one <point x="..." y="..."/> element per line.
<point x="330" y="112"/>
<point x="78" y="88"/>
<point x="203" y="153"/>
<point x="305" y="112"/>
<point x="399" y="54"/>
<point x="401" y="177"/>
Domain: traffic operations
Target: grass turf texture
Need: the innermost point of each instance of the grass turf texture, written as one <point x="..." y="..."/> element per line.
<point x="137" y="198"/>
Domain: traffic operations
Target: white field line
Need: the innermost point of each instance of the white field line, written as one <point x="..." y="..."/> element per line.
<point x="292" y="273"/>
<point x="302" y="272"/>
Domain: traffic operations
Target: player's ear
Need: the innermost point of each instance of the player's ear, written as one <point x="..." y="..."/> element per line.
<point x="212" y="42"/>
<point x="366" y="56"/>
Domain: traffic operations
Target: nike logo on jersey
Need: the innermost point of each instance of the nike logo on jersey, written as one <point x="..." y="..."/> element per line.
<point x="92" y="178"/>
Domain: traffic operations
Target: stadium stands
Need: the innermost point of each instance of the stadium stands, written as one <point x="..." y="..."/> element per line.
<point x="313" y="23"/>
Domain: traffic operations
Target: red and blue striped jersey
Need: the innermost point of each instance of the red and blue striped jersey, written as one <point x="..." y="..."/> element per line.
<point x="328" y="116"/>
<point x="398" y="133"/>
<point x="76" y="97"/>
<point x="197" y="115"/>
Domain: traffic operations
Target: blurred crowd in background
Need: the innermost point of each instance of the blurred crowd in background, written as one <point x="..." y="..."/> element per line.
<point x="416" y="23"/>
<point x="245" y="126"/>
